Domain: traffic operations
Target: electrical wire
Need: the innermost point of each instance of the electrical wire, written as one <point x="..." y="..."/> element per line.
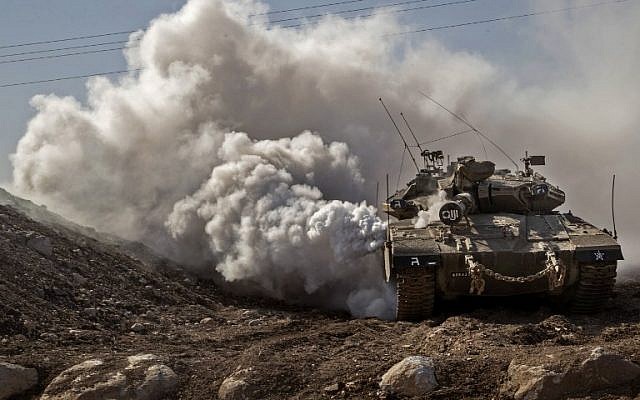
<point x="65" y="55"/>
<point x="308" y="7"/>
<point x="486" y="21"/>
<point x="452" y="3"/>
<point x="377" y="7"/>
<point x="389" y="34"/>
<point x="64" y="48"/>
<point x="6" y="85"/>
<point x="328" y="4"/>
<point x="9" y="46"/>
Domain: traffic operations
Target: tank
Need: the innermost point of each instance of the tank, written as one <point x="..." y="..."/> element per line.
<point x="467" y="229"/>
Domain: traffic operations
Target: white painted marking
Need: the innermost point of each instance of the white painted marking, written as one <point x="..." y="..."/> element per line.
<point x="599" y="255"/>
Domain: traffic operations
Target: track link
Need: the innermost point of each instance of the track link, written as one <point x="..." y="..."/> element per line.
<point x="415" y="294"/>
<point x="594" y="288"/>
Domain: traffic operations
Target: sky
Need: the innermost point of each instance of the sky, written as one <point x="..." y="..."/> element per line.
<point x="505" y="43"/>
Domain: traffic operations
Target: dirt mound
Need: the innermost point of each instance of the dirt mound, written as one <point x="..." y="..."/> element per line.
<point x="73" y="284"/>
<point x="66" y="298"/>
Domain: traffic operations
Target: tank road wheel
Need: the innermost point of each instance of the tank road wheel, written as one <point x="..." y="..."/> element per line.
<point x="593" y="289"/>
<point x="415" y="294"/>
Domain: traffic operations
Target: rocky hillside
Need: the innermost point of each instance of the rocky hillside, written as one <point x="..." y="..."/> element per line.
<point x="80" y="318"/>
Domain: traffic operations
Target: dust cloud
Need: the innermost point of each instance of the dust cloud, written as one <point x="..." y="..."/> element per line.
<point x="252" y="149"/>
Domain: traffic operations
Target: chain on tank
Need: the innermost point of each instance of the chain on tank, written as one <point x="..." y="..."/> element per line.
<point x="554" y="268"/>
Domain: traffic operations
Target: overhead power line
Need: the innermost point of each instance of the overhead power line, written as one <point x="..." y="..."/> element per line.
<point x="338" y="3"/>
<point x="452" y="3"/>
<point x="486" y="21"/>
<point x="6" y="85"/>
<point x="531" y="14"/>
<point x="64" y="55"/>
<point x="325" y="5"/>
<point x="9" y="46"/>
<point x="84" y="46"/>
<point x="376" y="7"/>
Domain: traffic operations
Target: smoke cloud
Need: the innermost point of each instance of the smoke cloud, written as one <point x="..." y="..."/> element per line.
<point x="432" y="214"/>
<point x="264" y="222"/>
<point x="251" y="149"/>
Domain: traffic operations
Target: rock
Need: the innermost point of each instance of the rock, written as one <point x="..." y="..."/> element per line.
<point x="205" y="321"/>
<point x="140" y="377"/>
<point x="41" y="244"/>
<point x="332" y="389"/>
<point x="138" y="359"/>
<point x="138" y="328"/>
<point x="15" y="379"/>
<point x="532" y="382"/>
<point x="159" y="380"/>
<point x="599" y="371"/>
<point x="413" y="376"/>
<point x="236" y="387"/>
<point x="602" y="369"/>
<point x="85" y="380"/>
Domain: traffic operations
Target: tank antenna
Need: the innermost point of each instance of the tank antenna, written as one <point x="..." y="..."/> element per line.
<point x="412" y="134"/>
<point x="464" y="121"/>
<point x="613" y="212"/>
<point x="388" y="233"/>
<point x="406" y="146"/>
<point x="377" y="193"/>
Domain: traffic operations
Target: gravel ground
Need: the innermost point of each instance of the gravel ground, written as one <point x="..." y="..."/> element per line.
<point x="75" y="298"/>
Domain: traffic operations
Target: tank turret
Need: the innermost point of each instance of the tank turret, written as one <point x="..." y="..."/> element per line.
<point x="502" y="191"/>
<point x="476" y="187"/>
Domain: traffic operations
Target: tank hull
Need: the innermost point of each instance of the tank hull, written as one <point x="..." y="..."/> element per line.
<point x="501" y="254"/>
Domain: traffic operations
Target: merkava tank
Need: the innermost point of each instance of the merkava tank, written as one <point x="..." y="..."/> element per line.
<point x="467" y="229"/>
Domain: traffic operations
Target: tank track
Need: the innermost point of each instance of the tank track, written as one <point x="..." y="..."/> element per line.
<point x="415" y="294"/>
<point x="593" y="289"/>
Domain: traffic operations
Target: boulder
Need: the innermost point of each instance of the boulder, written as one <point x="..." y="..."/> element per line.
<point x="236" y="387"/>
<point x="89" y="380"/>
<point x="533" y="382"/>
<point x="15" y="379"/>
<point x="158" y="381"/>
<point x="603" y="369"/>
<point x="599" y="371"/>
<point x="140" y="377"/>
<point x="413" y="376"/>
